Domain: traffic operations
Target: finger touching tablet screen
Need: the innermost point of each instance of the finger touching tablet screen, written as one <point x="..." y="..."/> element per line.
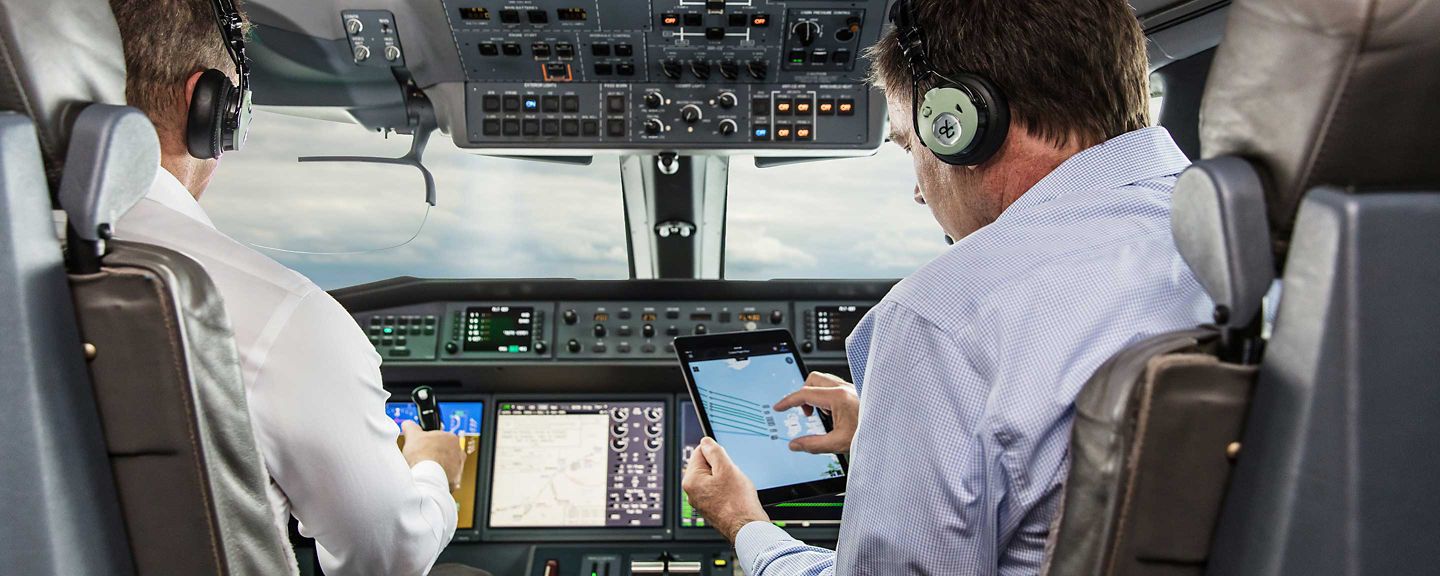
<point x="735" y="380"/>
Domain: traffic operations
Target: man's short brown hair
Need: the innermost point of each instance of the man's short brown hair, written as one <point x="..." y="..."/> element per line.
<point x="165" y="42"/>
<point x="1072" y="69"/>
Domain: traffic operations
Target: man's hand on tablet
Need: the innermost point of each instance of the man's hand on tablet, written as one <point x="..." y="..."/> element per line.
<point x="720" y="492"/>
<point x="836" y="397"/>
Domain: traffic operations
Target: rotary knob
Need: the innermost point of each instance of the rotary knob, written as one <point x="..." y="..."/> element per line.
<point x="570" y="316"/>
<point x="727" y="100"/>
<point x="361" y="53"/>
<point x="701" y="69"/>
<point x="728" y="127"/>
<point x="729" y="69"/>
<point x="354" y="25"/>
<point x="392" y="53"/>
<point x="600" y="330"/>
<point x="671" y="69"/>
<point x="654" y="100"/>
<point x="758" y="69"/>
<point x="654" y="126"/>
<point x="573" y="346"/>
<point x="690" y="114"/>
<point x="806" y="32"/>
<point x="648" y="331"/>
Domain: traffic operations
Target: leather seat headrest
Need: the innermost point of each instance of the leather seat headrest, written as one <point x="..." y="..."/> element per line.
<point x="1327" y="92"/>
<point x="56" y="57"/>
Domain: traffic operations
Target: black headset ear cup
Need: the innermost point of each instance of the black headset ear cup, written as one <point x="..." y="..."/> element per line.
<point x="993" y="123"/>
<point x="205" y="125"/>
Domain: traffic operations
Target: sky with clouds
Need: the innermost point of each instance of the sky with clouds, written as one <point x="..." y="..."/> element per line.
<point x="503" y="218"/>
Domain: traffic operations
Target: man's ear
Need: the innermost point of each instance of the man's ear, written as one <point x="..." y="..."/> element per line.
<point x="190" y="91"/>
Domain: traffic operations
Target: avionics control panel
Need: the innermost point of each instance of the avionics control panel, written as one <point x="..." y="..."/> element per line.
<point x="503" y="331"/>
<point x="709" y="75"/>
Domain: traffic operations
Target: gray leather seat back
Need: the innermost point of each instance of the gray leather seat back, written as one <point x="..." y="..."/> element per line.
<point x="147" y="464"/>
<point x="58" y="56"/>
<point x="167" y="380"/>
<point x="1326" y="92"/>
<point x="61" y="516"/>
<point x="1333" y="102"/>
<point x="1148" y="464"/>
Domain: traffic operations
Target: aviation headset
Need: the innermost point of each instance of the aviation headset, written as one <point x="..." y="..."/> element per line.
<point x="219" y="117"/>
<point x="962" y="120"/>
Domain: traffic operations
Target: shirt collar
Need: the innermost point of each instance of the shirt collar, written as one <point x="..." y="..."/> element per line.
<point x="1126" y="159"/>
<point x="170" y="193"/>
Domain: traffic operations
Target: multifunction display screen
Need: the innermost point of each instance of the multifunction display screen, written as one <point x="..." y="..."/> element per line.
<point x="499" y="329"/>
<point x="579" y="464"/>
<point x="461" y="419"/>
<point x="833" y="324"/>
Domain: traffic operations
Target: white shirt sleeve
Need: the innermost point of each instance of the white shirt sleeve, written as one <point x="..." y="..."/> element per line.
<point x="318" y="409"/>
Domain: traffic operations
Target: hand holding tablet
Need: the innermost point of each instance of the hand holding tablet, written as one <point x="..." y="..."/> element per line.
<point x="735" y="380"/>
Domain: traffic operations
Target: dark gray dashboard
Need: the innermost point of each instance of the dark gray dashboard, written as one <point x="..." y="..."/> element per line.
<point x="522" y="358"/>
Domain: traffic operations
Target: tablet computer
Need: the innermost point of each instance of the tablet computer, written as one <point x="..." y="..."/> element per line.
<point x="735" y="379"/>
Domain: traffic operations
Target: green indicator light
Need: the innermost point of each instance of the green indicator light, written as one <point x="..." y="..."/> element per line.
<point x="388" y="330"/>
<point x="514" y="349"/>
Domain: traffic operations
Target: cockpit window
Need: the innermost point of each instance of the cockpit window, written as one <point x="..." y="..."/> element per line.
<point x="346" y="223"/>
<point x="851" y="218"/>
<point x="1157" y="98"/>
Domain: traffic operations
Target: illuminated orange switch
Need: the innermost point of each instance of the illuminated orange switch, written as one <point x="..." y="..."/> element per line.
<point x="669" y="19"/>
<point x="782" y="132"/>
<point x="827" y="108"/>
<point x="802" y="133"/>
<point x="847" y="107"/>
<point x="783" y="106"/>
<point x="802" y="107"/>
<point x="760" y="20"/>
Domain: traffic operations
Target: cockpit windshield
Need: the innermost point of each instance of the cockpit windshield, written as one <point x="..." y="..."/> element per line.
<point x="349" y="223"/>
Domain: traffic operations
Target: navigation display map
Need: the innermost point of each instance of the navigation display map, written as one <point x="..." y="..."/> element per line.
<point x="586" y="464"/>
<point x="461" y="419"/>
<point x="820" y="511"/>
<point x="739" y="394"/>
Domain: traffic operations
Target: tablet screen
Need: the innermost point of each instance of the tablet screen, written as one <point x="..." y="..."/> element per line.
<point x="739" y="386"/>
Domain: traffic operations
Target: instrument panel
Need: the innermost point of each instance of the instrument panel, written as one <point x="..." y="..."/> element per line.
<point x="676" y="74"/>
<point x="575" y="454"/>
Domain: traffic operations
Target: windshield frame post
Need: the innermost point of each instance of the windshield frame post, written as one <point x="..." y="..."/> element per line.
<point x="675" y="215"/>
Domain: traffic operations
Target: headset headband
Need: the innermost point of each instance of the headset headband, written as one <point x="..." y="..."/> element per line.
<point x="232" y="31"/>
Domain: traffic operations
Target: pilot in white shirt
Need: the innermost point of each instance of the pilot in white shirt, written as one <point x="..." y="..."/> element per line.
<point x="316" y="402"/>
<point x="311" y="376"/>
